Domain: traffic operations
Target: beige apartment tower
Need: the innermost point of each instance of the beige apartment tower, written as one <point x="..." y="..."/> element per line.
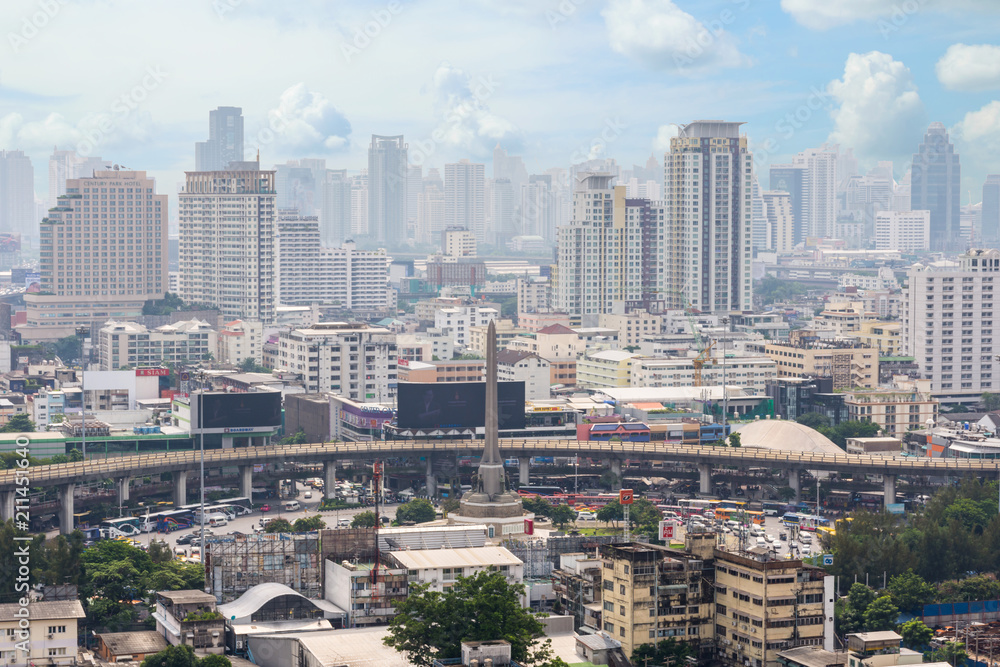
<point x="103" y="254"/>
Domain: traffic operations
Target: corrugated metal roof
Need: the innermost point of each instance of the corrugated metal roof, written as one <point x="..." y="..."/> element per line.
<point x="261" y="594"/>
<point x="133" y="643"/>
<point x="472" y="557"/>
<point x="44" y="611"/>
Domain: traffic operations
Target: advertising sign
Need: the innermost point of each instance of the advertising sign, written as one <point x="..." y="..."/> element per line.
<point x="625" y="497"/>
<point x="241" y="411"/>
<point x="152" y="372"/>
<point x="666" y="530"/>
<point x="435" y="405"/>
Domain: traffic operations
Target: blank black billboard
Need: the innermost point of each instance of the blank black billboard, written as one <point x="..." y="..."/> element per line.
<point x="431" y="405"/>
<point x="241" y="410"/>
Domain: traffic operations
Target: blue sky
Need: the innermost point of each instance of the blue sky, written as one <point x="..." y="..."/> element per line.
<point x="553" y="80"/>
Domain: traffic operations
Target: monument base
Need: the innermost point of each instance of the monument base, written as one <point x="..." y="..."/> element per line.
<point x="497" y="527"/>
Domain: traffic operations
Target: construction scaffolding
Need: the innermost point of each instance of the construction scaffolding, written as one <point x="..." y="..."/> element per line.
<point x="236" y="563"/>
<point x="541" y="556"/>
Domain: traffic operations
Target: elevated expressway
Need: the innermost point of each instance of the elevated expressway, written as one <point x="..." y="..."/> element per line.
<point x="123" y="469"/>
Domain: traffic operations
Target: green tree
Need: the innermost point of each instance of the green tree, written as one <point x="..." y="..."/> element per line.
<point x="180" y="655"/>
<point x="363" y="520"/>
<point x="562" y="515"/>
<point x="297" y="438"/>
<point x="881" y="615"/>
<point x="418" y="510"/>
<point x="665" y="652"/>
<point x="307" y="525"/>
<point x="432" y="625"/>
<point x="910" y="592"/>
<point x="538" y="505"/>
<point x="850" y="429"/>
<point x="278" y="526"/>
<point x="951" y="652"/>
<point x="814" y="420"/>
<point x="785" y="493"/>
<point x="860" y="597"/>
<point x="215" y="660"/>
<point x="611" y="513"/>
<point x="915" y="634"/>
<point x="250" y="365"/>
<point x="19" y="424"/>
<point x="735" y="440"/>
<point x="991" y="401"/>
<point x="159" y="552"/>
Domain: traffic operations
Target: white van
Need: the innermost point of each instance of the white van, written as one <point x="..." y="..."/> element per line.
<point x="805" y="538"/>
<point x="215" y="520"/>
<point x="761" y="542"/>
<point x="291" y="505"/>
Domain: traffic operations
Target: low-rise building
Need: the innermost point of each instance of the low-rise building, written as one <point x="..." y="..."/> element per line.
<point x="747" y="372"/>
<point x="455" y="370"/>
<point x="632" y="327"/>
<point x="128" y="344"/>
<point x="895" y="411"/>
<point x="577" y="584"/>
<point x="527" y="367"/>
<point x="51" y="636"/>
<point x="190" y="617"/>
<point x="849" y="364"/>
<point x="440" y="568"/>
<point x="240" y="340"/>
<point x="129" y="646"/>
<point x="506" y="332"/>
<point x="610" y="368"/>
<point x="458" y="321"/>
<point x="874" y="446"/>
<point x="886" y="337"/>
<point x="534" y="295"/>
<point x="430" y="345"/>
<point x="368" y="598"/>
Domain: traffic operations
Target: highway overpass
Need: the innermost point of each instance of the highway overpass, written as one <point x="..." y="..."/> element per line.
<point x="123" y="469"/>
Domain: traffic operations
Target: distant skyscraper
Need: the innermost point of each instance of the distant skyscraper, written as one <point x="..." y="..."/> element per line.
<point x="98" y="266"/>
<point x="387" y="176"/>
<point x="299" y="186"/>
<point x="225" y="140"/>
<point x="758" y="210"/>
<point x="430" y="211"/>
<point x="811" y="180"/>
<point x="539" y="209"/>
<point x="359" y="204"/>
<point x="935" y="186"/>
<point x="789" y="178"/>
<point x="991" y="208"/>
<point x="335" y="222"/>
<point x="509" y="166"/>
<point x="779" y="222"/>
<point x="64" y="165"/>
<point x="17" y="195"/>
<point x="226" y="248"/>
<point x="464" y="197"/>
<point x="504" y="212"/>
<point x="708" y="241"/>
<point x="414" y="186"/>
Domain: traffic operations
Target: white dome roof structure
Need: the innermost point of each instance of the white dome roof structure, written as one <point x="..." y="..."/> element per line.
<point x="785" y="436"/>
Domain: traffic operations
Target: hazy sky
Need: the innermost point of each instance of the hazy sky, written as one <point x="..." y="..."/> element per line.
<point x="554" y="80"/>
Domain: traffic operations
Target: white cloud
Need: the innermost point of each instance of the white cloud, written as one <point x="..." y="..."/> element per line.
<point x="880" y="112"/>
<point x="661" y="144"/>
<point x="823" y="14"/>
<point x="306" y="122"/>
<point x="661" y="35"/>
<point x="970" y="67"/>
<point x="466" y="124"/>
<point x="977" y="140"/>
<point x="93" y="134"/>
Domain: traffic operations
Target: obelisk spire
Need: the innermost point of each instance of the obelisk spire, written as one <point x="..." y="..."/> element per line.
<point x="491" y="465"/>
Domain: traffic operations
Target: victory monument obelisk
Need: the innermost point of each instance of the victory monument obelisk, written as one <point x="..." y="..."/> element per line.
<point x="489" y="501"/>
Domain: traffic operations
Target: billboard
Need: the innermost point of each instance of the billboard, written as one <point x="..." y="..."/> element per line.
<point x="435" y="405"/>
<point x="241" y="411"/>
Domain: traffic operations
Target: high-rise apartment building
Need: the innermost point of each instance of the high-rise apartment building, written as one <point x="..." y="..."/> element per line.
<point x="610" y="256"/>
<point x="414" y="186"/>
<point x="779" y="223"/>
<point x="357" y="280"/>
<point x="335" y="221"/>
<point x="297" y="259"/>
<point x="103" y="254"/>
<point x="465" y="198"/>
<point x="708" y="182"/>
<point x="990" y="212"/>
<point x="935" y="186"/>
<point x="353" y="360"/>
<point x="66" y="165"/>
<point x="758" y="217"/>
<point x="504" y="219"/>
<point x="131" y="344"/>
<point x="811" y="180"/>
<point x="359" y="203"/>
<point x="510" y="167"/>
<point x="299" y="185"/>
<point x="948" y="326"/>
<point x="226" y="241"/>
<point x="387" y="179"/>
<point x="903" y="231"/>
<point x="790" y="178"/>
<point x="458" y="242"/>
<point x="540" y="209"/>
<point x="17" y="195"/>
<point x="225" y="140"/>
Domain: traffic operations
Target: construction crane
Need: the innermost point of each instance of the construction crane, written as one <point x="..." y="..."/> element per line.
<point x="699" y="361"/>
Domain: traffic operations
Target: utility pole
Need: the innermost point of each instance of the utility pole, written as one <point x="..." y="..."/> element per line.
<point x="81" y="333"/>
<point x="201" y="435"/>
<point x="725" y="394"/>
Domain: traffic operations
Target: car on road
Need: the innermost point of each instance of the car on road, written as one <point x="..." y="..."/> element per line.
<point x="308" y="494"/>
<point x="265" y="508"/>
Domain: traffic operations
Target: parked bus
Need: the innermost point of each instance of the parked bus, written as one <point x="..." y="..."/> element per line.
<point x="695" y="505"/>
<point x="792" y="520"/>
<point x="124" y="527"/>
<point x="540" y="491"/>
<point x="773" y="509"/>
<point x="168" y="522"/>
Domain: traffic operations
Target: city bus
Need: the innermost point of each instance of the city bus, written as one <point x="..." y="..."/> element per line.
<point x="124" y="527"/>
<point x="244" y="504"/>
<point x="695" y="505"/>
<point x="168" y="522"/>
<point x="539" y="491"/>
<point x="773" y="509"/>
<point x="792" y="520"/>
<point x="731" y="504"/>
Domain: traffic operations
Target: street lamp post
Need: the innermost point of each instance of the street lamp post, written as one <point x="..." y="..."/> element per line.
<point x="725" y="394"/>
<point x="201" y="435"/>
<point x="81" y="333"/>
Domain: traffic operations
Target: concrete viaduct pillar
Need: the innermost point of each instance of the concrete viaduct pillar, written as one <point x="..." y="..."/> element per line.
<point x="616" y="470"/>
<point x="524" y="470"/>
<point x="705" y="478"/>
<point x="330" y="479"/>
<point x="431" y="478"/>
<point x="246" y="481"/>
<point x="123" y="489"/>
<point x="7" y="505"/>
<point x="180" y="488"/>
<point x="795" y="483"/>
<point x="889" y="486"/>
<point x="66" y="508"/>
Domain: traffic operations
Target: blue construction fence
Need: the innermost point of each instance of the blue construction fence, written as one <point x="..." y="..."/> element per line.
<point x="951" y="612"/>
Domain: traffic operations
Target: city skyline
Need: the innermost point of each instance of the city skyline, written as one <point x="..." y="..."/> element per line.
<point x="796" y="73"/>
